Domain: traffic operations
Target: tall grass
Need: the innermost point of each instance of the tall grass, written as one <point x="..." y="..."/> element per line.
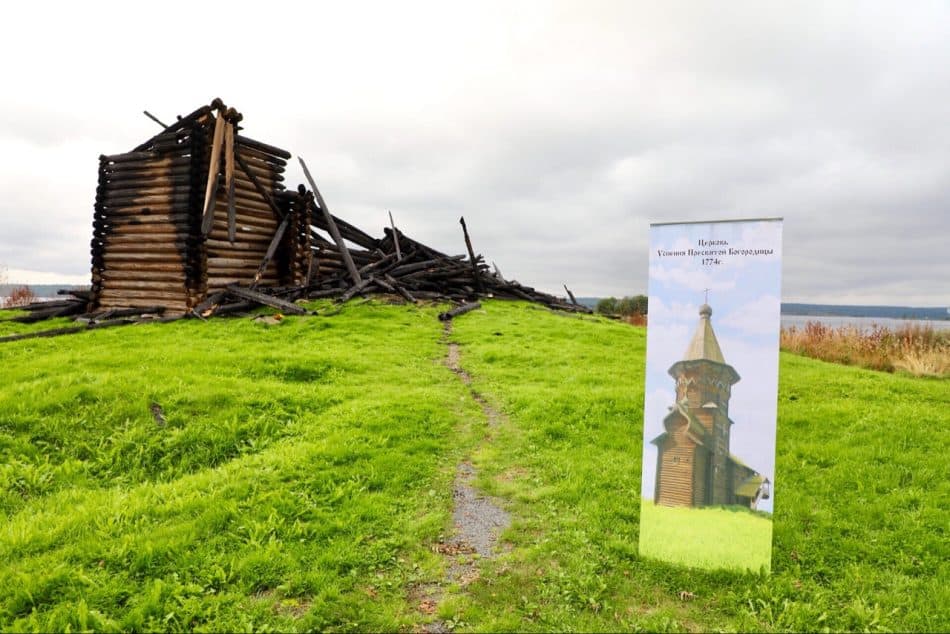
<point x="916" y="349"/>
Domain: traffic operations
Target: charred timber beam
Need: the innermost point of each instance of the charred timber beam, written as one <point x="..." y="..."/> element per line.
<point x="386" y="286"/>
<point x="181" y="124"/>
<point x="359" y="287"/>
<point x="153" y="118"/>
<point x="229" y="177"/>
<point x="344" y="251"/>
<point x="570" y="294"/>
<point x="275" y="241"/>
<point x="332" y="292"/>
<point x="263" y="147"/>
<point x="471" y="255"/>
<point x="267" y="300"/>
<point x="399" y="289"/>
<point x="69" y="330"/>
<point x="459" y="310"/>
<point x="128" y="312"/>
<point x="257" y="185"/>
<point x="395" y="236"/>
<point x="348" y="231"/>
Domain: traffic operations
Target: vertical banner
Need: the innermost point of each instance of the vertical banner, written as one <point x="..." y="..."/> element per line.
<point x="711" y="393"/>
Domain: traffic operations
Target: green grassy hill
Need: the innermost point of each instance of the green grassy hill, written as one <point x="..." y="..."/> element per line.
<point x="300" y="477"/>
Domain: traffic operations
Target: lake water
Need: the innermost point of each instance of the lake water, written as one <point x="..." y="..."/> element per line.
<point x="862" y="323"/>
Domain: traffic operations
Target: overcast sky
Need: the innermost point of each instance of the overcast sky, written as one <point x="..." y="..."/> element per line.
<point x="559" y="130"/>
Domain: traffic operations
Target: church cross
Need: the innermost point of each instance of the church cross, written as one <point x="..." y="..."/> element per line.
<point x="706" y="290"/>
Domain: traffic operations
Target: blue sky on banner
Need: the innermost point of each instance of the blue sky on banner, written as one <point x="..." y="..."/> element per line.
<point x="744" y="292"/>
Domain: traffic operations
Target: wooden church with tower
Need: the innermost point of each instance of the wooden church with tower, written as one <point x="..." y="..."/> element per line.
<point x="694" y="466"/>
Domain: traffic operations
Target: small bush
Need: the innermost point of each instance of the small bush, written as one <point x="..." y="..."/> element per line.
<point x="625" y="307"/>
<point x="20" y="296"/>
<point x="607" y="306"/>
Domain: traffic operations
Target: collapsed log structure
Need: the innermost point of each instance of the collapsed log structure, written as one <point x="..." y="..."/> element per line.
<point x="196" y="221"/>
<point x="192" y="210"/>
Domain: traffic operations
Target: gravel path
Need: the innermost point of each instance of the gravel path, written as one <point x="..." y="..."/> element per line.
<point x="478" y="520"/>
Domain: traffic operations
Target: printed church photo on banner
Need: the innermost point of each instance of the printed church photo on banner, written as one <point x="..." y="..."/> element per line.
<point x="708" y="464"/>
<point x="694" y="466"/>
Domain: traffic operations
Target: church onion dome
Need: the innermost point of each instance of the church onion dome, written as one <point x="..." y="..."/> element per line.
<point x="704" y="344"/>
<point x="704" y="347"/>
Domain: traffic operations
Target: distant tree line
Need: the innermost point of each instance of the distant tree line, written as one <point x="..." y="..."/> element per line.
<point x="624" y="307"/>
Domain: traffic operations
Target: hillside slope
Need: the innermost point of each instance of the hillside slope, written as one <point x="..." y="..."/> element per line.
<point x="298" y="476"/>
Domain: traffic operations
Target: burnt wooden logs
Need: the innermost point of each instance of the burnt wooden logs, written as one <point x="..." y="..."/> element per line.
<point x="192" y="210"/>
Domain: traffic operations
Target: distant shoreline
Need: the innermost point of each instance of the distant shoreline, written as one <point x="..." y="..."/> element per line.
<point x="882" y="312"/>
<point x="833" y="310"/>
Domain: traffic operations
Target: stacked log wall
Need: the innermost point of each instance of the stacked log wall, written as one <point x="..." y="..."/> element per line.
<point x="148" y="248"/>
<point x="140" y="232"/>
<point x="255" y="223"/>
<point x="296" y="259"/>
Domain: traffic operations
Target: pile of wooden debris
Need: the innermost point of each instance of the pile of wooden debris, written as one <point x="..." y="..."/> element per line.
<point x="196" y="222"/>
<point x="393" y="265"/>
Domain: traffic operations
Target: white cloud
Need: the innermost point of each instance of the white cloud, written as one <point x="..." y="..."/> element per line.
<point x="22" y="276"/>
<point x="760" y="316"/>
<point x="673" y="313"/>
<point x="692" y="278"/>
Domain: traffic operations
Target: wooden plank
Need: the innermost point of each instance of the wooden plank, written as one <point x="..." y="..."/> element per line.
<point x="229" y="177"/>
<point x="107" y="200"/>
<point x="212" y="300"/>
<point x="344" y="251"/>
<point x="117" y="240"/>
<point x="258" y="185"/>
<point x="395" y="236"/>
<point x="271" y="249"/>
<point x="107" y="212"/>
<point x="270" y="149"/>
<point x="267" y="300"/>
<point x="172" y="307"/>
<point x="458" y="310"/>
<point x="169" y="248"/>
<point x="144" y="257"/>
<point x="153" y="118"/>
<point x="232" y="262"/>
<point x="356" y="288"/>
<point x="152" y="163"/>
<point x="138" y="274"/>
<point x="121" y="266"/>
<point x="571" y="295"/>
<point x="243" y="273"/>
<point x="248" y="224"/>
<point x="243" y="203"/>
<point x="55" y="332"/>
<point x="223" y="247"/>
<point x="471" y="255"/>
<point x="156" y="285"/>
<point x="214" y="168"/>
